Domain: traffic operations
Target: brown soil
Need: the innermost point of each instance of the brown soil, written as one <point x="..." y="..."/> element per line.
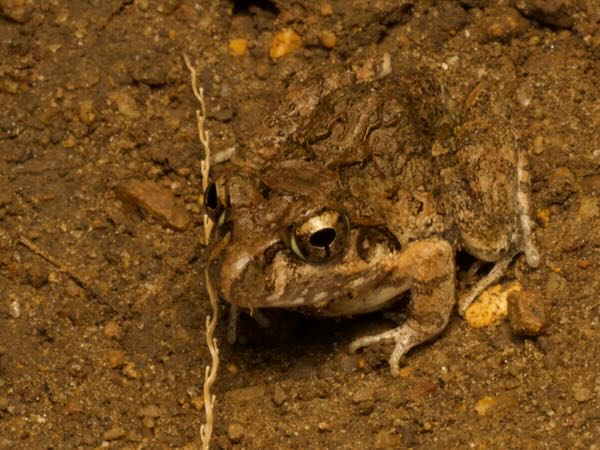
<point x="110" y="352"/>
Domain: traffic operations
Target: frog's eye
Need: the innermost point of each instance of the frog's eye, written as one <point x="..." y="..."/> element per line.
<point x="214" y="202"/>
<point x="322" y="237"/>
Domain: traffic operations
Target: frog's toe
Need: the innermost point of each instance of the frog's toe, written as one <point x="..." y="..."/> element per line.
<point x="493" y="276"/>
<point x="405" y="338"/>
<point x="367" y="341"/>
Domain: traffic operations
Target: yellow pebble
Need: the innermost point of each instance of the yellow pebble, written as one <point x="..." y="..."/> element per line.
<point x="197" y="403"/>
<point x="327" y="39"/>
<point x="406" y="372"/>
<point x="543" y="216"/>
<point x="326" y="9"/>
<point x="238" y="46"/>
<point x="491" y="306"/>
<point x="284" y="42"/>
<point x="484" y="404"/>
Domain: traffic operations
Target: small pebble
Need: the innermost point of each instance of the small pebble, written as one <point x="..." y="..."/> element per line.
<point x="491" y="306"/>
<point x="527" y="313"/>
<point x="503" y="25"/>
<point x="224" y="114"/>
<point x="69" y="141"/>
<point x="349" y="362"/>
<point x="583" y="263"/>
<point x="557" y="13"/>
<point x="422" y="388"/>
<point x="562" y="183"/>
<point x="279" y="395"/>
<point x="367" y="407"/>
<point x="246" y="394"/>
<point x="582" y="393"/>
<point x="221" y="442"/>
<point x="126" y="104"/>
<point x="112" y="330"/>
<point x="284" y="42"/>
<point x="197" y="403"/>
<point x="169" y="6"/>
<point x="538" y="145"/>
<point x="17" y="10"/>
<point x="386" y="439"/>
<point x="235" y="432"/>
<point x="150" y="411"/>
<point x="114" y="434"/>
<point x="427" y="426"/>
<point x="326" y="9"/>
<point x="130" y="371"/>
<point x="262" y="70"/>
<point x="87" y="113"/>
<point x="543" y="217"/>
<point x="116" y="358"/>
<point x="589" y="207"/>
<point x="491" y="405"/>
<point x="232" y="369"/>
<point x="157" y="201"/>
<point x="484" y="404"/>
<point x="72" y="290"/>
<point x="147" y="72"/>
<point x="324" y="426"/>
<point x="148" y="422"/>
<point x="72" y="406"/>
<point x="14" y="309"/>
<point x="406" y="372"/>
<point x="183" y="171"/>
<point x="238" y="46"/>
<point x="327" y="39"/>
<point x="134" y="436"/>
<point x="37" y="275"/>
<point x="363" y="394"/>
<point x="556" y="285"/>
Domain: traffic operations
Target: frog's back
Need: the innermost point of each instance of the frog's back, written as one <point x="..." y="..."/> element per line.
<point x="377" y="139"/>
<point x="369" y="149"/>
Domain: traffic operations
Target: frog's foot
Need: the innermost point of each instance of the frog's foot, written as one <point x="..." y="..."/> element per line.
<point x="406" y="336"/>
<point x="429" y="267"/>
<point x="492" y="277"/>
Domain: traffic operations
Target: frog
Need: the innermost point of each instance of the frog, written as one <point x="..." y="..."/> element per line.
<point x="352" y="195"/>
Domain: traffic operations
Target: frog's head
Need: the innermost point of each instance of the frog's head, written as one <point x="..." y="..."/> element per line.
<point x="289" y="237"/>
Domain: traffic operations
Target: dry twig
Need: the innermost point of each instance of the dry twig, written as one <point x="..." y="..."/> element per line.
<point x="204" y="137"/>
<point x="88" y="287"/>
<point x="210" y="374"/>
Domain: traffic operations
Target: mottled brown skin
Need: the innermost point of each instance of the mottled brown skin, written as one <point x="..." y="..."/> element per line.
<point x="414" y="182"/>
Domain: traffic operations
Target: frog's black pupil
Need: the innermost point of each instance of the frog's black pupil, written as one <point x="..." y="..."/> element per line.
<point x="211" y="200"/>
<point x="322" y="238"/>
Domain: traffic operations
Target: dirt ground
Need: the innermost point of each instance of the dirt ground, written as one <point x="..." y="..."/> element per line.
<point x="102" y="308"/>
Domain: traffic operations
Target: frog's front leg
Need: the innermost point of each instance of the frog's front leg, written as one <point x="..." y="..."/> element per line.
<point x="428" y="267"/>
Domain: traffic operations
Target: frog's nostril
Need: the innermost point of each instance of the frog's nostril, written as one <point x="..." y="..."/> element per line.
<point x="322" y="238"/>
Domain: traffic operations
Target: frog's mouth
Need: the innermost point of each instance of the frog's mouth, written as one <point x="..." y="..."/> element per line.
<point x="360" y="280"/>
